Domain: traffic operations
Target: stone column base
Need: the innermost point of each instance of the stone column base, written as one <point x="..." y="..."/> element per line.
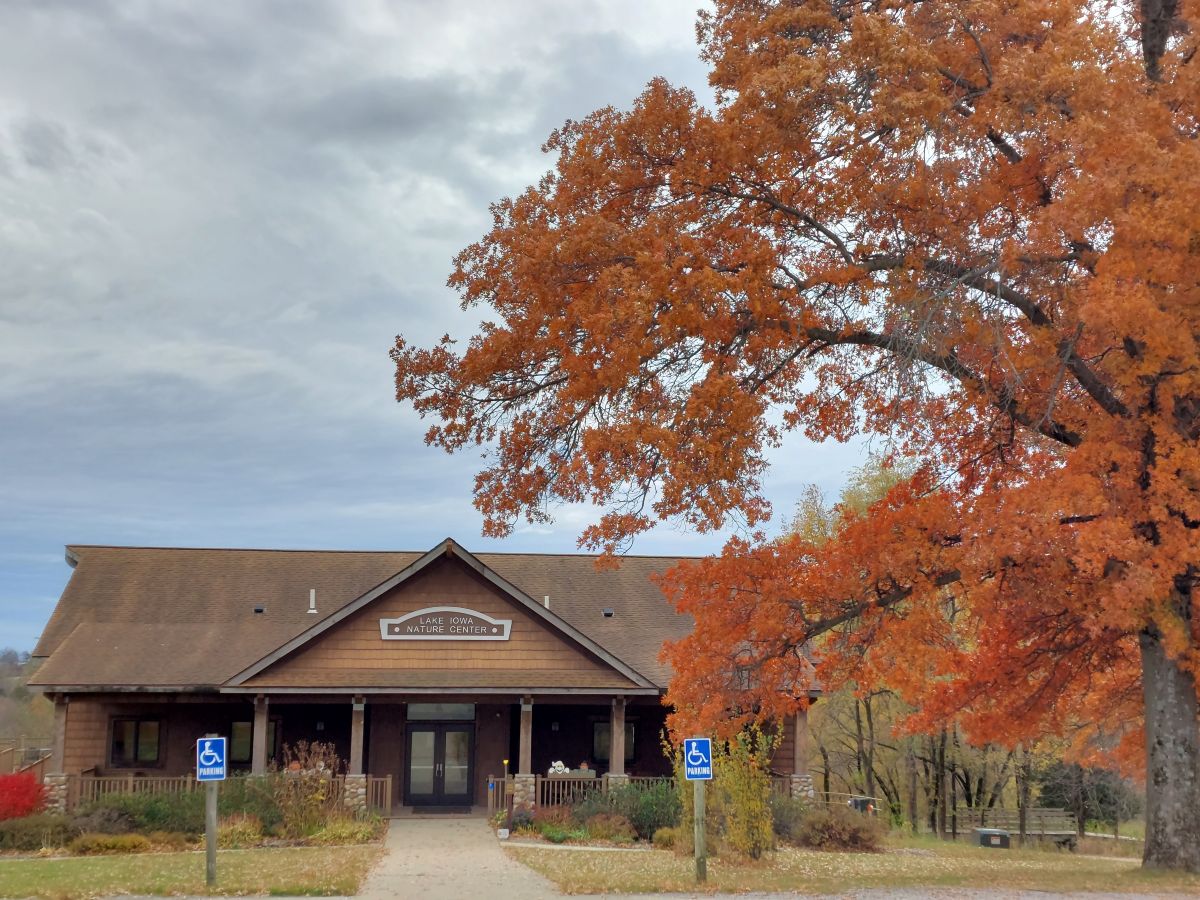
<point x="524" y="792"/>
<point x="616" y="781"/>
<point x="354" y="797"/>
<point x="56" y="793"/>
<point x="801" y="787"/>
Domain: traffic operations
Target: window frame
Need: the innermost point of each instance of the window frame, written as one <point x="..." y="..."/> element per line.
<point x="131" y="761"/>
<point x="274" y="727"/>
<point x="630" y="738"/>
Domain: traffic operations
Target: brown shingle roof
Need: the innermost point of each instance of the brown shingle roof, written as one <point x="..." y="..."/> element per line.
<point x="164" y="616"/>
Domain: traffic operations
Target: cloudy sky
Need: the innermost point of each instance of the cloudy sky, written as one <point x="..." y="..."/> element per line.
<point x="215" y="217"/>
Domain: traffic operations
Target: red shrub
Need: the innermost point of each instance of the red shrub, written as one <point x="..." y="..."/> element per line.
<point x="20" y="795"/>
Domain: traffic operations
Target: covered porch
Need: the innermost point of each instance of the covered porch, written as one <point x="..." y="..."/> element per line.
<point x="420" y="750"/>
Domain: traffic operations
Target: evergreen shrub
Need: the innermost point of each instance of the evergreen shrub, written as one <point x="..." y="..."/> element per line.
<point x="610" y="827"/>
<point x="96" y="844"/>
<point x="786" y="815"/>
<point x="42" y="831"/>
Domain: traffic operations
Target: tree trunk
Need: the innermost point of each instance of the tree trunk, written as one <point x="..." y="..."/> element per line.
<point x="941" y="786"/>
<point x="824" y="774"/>
<point x="1172" y="760"/>
<point x="1024" y="777"/>
<point x="859" y="750"/>
<point x="912" y="787"/>
<point x="870" y="751"/>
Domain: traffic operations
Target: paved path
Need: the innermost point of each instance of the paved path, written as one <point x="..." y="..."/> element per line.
<point x="447" y="858"/>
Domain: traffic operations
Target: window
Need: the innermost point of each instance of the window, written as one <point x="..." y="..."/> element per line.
<point x="135" y="742"/>
<point x="241" y="741"/>
<point x="441" y="712"/>
<point x="602" y="740"/>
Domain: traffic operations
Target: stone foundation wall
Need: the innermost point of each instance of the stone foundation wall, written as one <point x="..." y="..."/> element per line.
<point x="801" y="786"/>
<point x="56" y="793"/>
<point x="524" y="792"/>
<point x="354" y="797"/>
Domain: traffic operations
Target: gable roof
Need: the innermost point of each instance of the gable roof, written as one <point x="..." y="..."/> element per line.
<point x="162" y="617"/>
<point x="446" y="548"/>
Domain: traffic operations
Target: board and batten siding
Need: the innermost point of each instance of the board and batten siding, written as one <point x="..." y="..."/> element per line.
<point x="533" y="651"/>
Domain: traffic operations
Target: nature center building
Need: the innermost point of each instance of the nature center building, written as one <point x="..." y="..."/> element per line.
<point x="427" y="672"/>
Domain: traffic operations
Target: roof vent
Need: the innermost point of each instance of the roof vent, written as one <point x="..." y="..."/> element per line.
<point x="312" y="601"/>
<point x="547" y="601"/>
<point x="259" y="610"/>
<point x="607" y="612"/>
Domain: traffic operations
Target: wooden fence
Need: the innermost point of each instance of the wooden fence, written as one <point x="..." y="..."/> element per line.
<point x="18" y="754"/>
<point x="85" y="789"/>
<point x="1041" y="822"/>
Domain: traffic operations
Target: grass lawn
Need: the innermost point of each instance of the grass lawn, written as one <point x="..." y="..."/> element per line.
<point x="318" y="871"/>
<point x="906" y="863"/>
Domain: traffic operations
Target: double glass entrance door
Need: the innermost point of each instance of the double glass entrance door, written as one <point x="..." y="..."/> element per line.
<point x="439" y="765"/>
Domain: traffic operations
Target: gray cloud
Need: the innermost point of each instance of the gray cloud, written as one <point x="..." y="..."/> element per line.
<point x="213" y="219"/>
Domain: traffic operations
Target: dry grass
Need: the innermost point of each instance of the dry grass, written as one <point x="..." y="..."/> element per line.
<point x="312" y="871"/>
<point x="905" y="864"/>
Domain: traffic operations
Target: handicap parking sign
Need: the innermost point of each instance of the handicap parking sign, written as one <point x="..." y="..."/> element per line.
<point x="697" y="759"/>
<point x="210" y="759"/>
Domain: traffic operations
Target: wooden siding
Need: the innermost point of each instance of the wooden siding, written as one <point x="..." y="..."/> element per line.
<point x="783" y="761"/>
<point x="355" y="646"/>
<point x="86" y="741"/>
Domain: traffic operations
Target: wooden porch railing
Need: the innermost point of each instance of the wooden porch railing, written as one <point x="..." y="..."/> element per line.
<point x="561" y="790"/>
<point x="89" y="788"/>
<point x="498" y="789"/>
<point x="85" y="789"/>
<point x="567" y="790"/>
<point x="379" y="794"/>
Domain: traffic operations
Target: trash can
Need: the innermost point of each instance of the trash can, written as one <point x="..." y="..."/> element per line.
<point x="995" y="838"/>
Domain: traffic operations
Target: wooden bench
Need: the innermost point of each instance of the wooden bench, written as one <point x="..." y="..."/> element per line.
<point x="1043" y="823"/>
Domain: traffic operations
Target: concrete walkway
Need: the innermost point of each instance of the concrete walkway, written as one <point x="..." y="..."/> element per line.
<point x="447" y="858"/>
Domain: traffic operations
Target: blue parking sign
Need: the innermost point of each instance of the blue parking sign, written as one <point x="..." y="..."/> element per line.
<point x="697" y="759"/>
<point x="210" y="759"/>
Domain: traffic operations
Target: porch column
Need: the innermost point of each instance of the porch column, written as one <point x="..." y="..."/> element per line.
<point x="258" y="737"/>
<point x="357" y="715"/>
<point x="525" y="754"/>
<point x="58" y="749"/>
<point x="525" y="782"/>
<point x="616" y="740"/>
<point x="55" y="779"/>
<point x="801" y="780"/>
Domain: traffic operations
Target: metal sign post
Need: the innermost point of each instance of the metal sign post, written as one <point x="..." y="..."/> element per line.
<point x="697" y="768"/>
<point x="210" y="768"/>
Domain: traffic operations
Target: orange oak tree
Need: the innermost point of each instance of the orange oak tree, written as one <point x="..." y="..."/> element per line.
<point x="967" y="227"/>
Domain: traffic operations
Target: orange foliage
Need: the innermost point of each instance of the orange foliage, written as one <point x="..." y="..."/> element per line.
<point x="969" y="227"/>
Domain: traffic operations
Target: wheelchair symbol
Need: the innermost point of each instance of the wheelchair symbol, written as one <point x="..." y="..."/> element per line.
<point x="696" y="757"/>
<point x="209" y="756"/>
